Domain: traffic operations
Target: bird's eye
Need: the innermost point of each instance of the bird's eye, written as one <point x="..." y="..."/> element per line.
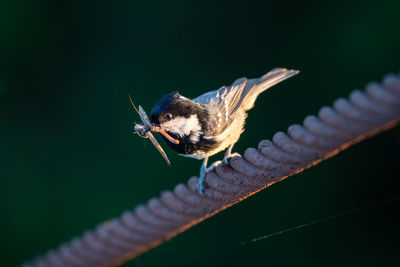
<point x="168" y="116"/>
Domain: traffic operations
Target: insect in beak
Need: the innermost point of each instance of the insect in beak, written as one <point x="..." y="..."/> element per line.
<point x="146" y="129"/>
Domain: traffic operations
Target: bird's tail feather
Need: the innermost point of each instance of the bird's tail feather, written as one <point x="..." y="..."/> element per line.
<point x="254" y="87"/>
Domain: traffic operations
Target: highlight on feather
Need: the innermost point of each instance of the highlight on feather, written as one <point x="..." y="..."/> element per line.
<point x="146" y="129"/>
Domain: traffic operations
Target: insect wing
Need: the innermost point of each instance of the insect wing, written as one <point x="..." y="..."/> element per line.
<point x="159" y="148"/>
<point x="143" y="117"/>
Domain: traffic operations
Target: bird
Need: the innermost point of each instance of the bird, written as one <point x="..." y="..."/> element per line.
<point x="212" y="122"/>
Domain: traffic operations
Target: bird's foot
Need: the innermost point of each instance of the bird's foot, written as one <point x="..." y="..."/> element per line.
<point x="228" y="157"/>
<point x="214" y="165"/>
<point x="203" y="171"/>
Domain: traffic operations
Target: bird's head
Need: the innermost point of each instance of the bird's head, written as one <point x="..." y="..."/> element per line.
<point x="179" y="116"/>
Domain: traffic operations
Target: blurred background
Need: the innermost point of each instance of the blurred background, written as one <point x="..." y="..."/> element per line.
<point x="69" y="159"/>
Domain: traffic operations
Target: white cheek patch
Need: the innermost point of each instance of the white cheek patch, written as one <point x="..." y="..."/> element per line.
<point x="185" y="127"/>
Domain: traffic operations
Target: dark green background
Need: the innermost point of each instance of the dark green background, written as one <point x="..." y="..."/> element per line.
<point x="69" y="160"/>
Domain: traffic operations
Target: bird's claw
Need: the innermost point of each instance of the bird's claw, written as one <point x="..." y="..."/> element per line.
<point x="201" y="188"/>
<point x="228" y="157"/>
<point x="213" y="165"/>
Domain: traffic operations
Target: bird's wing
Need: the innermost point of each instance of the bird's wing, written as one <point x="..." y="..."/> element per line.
<point x="223" y="100"/>
<point x="220" y="103"/>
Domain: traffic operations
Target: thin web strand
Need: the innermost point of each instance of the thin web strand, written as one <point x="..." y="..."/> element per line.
<point x="297" y="227"/>
<point x="300" y="226"/>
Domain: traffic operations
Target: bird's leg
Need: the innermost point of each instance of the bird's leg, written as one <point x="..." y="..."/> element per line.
<point x="229" y="154"/>
<point x="203" y="171"/>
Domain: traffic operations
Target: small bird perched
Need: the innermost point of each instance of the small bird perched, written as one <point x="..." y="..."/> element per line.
<point x="213" y="121"/>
